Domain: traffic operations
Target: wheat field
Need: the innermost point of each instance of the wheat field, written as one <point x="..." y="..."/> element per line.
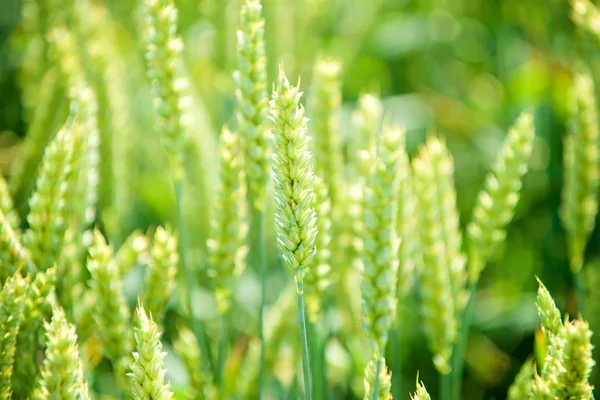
<point x="299" y="199"/>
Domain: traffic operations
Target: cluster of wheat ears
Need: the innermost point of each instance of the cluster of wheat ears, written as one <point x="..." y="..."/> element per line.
<point x="373" y="219"/>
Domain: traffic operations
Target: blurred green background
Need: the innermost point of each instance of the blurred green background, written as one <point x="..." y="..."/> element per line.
<point x="465" y="68"/>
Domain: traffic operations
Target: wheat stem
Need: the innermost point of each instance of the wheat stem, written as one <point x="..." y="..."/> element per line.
<point x="260" y="259"/>
<point x="223" y="344"/>
<point x="445" y="386"/>
<point x="304" y="341"/>
<point x="460" y="348"/>
<point x="195" y="323"/>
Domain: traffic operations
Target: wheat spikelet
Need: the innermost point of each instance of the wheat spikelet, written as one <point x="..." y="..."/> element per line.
<point x="252" y="102"/>
<point x="385" y="380"/>
<point x="7" y="206"/>
<point x="582" y="170"/>
<point x="378" y="284"/>
<point x="294" y="180"/>
<point x="521" y="387"/>
<point x="147" y="371"/>
<point x="62" y="373"/>
<point x="325" y="101"/>
<point x="319" y="276"/>
<point x="110" y="310"/>
<point x="160" y="276"/>
<point x="496" y="203"/>
<point x="164" y="69"/>
<point x="226" y="246"/>
<point x="433" y="167"/>
<point x="12" y="303"/>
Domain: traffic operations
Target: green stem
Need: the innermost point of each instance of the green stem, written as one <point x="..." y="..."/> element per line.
<point x="397" y="360"/>
<point x="195" y="323"/>
<point x="375" y="394"/>
<point x="262" y="267"/>
<point x="578" y="281"/>
<point x="446" y="386"/>
<point x="304" y="342"/>
<point x="222" y="353"/>
<point x="460" y="349"/>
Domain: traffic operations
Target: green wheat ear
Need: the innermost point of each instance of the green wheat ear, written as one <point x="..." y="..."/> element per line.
<point x="433" y="168"/>
<point x="367" y="121"/>
<point x="165" y="71"/>
<point x="226" y="246"/>
<point x="130" y="252"/>
<point x="521" y="387"/>
<point x="495" y="206"/>
<point x="421" y="393"/>
<point x="577" y="361"/>
<point x="568" y="362"/>
<point x="7" y="206"/>
<point x="110" y="311"/>
<point x="38" y="307"/>
<point x="12" y="253"/>
<point x="160" y="275"/>
<point x="252" y="101"/>
<point x="385" y="380"/>
<point x="409" y="255"/>
<point x="326" y="97"/>
<point x="582" y="169"/>
<point x="147" y="370"/>
<point x="52" y="202"/>
<point x="201" y="378"/>
<point x="12" y="304"/>
<point x="62" y="373"/>
<point x="380" y="272"/>
<point x="547" y="383"/>
<point x="294" y="180"/>
<point x="319" y="276"/>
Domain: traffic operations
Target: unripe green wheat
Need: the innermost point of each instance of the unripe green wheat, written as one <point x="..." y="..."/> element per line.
<point x="577" y="362"/>
<point x="406" y="227"/>
<point x="432" y="167"/>
<point x="367" y="122"/>
<point x="586" y="15"/>
<point x="521" y="387"/>
<point x="496" y="203"/>
<point x="160" y="276"/>
<point x="130" y="252"/>
<point x="110" y="312"/>
<point x="7" y="206"/>
<point x="582" y="170"/>
<point x="548" y="384"/>
<point x="252" y="102"/>
<point x="12" y="253"/>
<point x="385" y="380"/>
<point x="592" y="308"/>
<point x="319" y="276"/>
<point x="164" y="69"/>
<point x="226" y="246"/>
<point x="147" y="370"/>
<point x="294" y="180"/>
<point x="421" y="393"/>
<point x="201" y="379"/>
<point x="38" y="308"/>
<point x="548" y="312"/>
<point x="325" y="101"/>
<point x="380" y="274"/>
<point x="62" y="373"/>
<point x="51" y="205"/>
<point x="12" y="303"/>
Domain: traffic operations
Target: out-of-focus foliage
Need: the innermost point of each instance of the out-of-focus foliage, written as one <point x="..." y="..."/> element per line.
<point x="464" y="68"/>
